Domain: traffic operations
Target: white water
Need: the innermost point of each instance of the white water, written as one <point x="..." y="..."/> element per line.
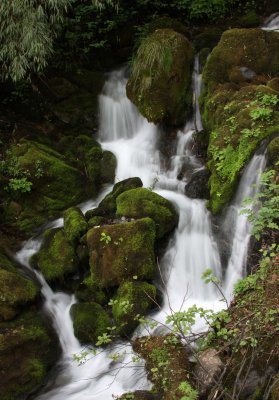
<point x="272" y="23"/>
<point x="240" y="223"/>
<point x="191" y="250"/>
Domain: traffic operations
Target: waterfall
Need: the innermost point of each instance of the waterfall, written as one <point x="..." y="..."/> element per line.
<point x="271" y="23"/>
<point x="191" y="249"/>
<point x="241" y="227"/>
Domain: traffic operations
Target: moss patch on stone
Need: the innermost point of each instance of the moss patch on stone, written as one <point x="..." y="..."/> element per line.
<point x="132" y="298"/>
<point x="161" y="77"/>
<point x="75" y="224"/>
<point x="108" y="205"/>
<point x="56" y="257"/>
<point x="90" y="320"/>
<point x="238" y="108"/>
<point x="27" y="350"/>
<point x="273" y="151"/>
<point x="141" y="202"/>
<point x="118" y="252"/>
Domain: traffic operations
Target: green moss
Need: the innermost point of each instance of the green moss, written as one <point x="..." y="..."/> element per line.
<point x="26" y="352"/>
<point x="56" y="258"/>
<point x="141" y="202"/>
<point x="160" y="83"/>
<point x="128" y="251"/>
<point x="89" y="290"/>
<point x="132" y="298"/>
<point x="16" y="292"/>
<point x="75" y="224"/>
<point x="108" y="204"/>
<point x="108" y="167"/>
<point x="237" y="113"/>
<point x="96" y="221"/>
<point x="273" y="150"/>
<point x="90" y="320"/>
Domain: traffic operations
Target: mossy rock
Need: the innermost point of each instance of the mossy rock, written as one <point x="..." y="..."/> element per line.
<point x="56" y="187"/>
<point x="119" y="252"/>
<point x="166" y="356"/>
<point x="96" y="221"/>
<point x="273" y="151"/>
<point x="90" y="320"/>
<point x="100" y="166"/>
<point x="75" y="225"/>
<point x="89" y="291"/>
<point x="107" y="206"/>
<point x="165" y="22"/>
<point x="141" y="395"/>
<point x="27" y="351"/>
<point x="108" y="167"/>
<point x="141" y="202"/>
<point x="231" y="104"/>
<point x="274" y="84"/>
<point x="56" y="258"/>
<point x="16" y="292"/>
<point x="132" y="298"/>
<point x="160" y="82"/>
<point x="251" y="48"/>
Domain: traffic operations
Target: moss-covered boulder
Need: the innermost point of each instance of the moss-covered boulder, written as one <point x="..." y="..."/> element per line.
<point x="132" y="298"/>
<point x="160" y="83"/>
<point x="90" y="320"/>
<point x="238" y="108"/>
<point x="108" y="205"/>
<point x="16" y="291"/>
<point x="75" y="225"/>
<point x="167" y="363"/>
<point x="141" y="202"/>
<point x="56" y="258"/>
<point x="119" y="252"/>
<point x="27" y="351"/>
<point x="97" y="221"/>
<point x="254" y="49"/>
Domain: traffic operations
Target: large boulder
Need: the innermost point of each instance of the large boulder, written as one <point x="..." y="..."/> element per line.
<point x="27" y="351"/>
<point x="197" y="187"/>
<point x="141" y="202"/>
<point x="119" y="252"/>
<point x="16" y="291"/>
<point x="160" y="83"/>
<point x="90" y="320"/>
<point x="132" y="298"/>
<point x="239" y="108"/>
<point x="56" y="258"/>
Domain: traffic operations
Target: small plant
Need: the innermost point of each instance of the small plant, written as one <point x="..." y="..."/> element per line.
<point x="105" y="238"/>
<point x="187" y="391"/>
<point x="261" y="114"/>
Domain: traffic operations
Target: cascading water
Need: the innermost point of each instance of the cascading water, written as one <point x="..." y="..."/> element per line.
<point x="241" y="232"/>
<point x="191" y="250"/>
<point x="272" y="23"/>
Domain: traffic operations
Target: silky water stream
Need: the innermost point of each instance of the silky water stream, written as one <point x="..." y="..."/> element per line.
<point x="190" y="251"/>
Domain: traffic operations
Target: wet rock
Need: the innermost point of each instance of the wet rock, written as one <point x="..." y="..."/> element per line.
<point x="56" y="258"/>
<point x="119" y="252"/>
<point x="75" y="225"/>
<point x="27" y="351"/>
<point x="132" y="299"/>
<point x="197" y="188"/>
<point x="107" y="206"/>
<point x="207" y="370"/>
<point x="141" y="202"/>
<point x="16" y="291"/>
<point x="160" y="86"/>
<point x="90" y="320"/>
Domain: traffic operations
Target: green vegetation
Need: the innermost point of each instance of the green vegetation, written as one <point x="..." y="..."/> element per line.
<point x="161" y="77"/>
<point x="56" y="257"/>
<point x="141" y="202"/>
<point x="130" y="252"/>
<point x="90" y="322"/>
<point x="75" y="225"/>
